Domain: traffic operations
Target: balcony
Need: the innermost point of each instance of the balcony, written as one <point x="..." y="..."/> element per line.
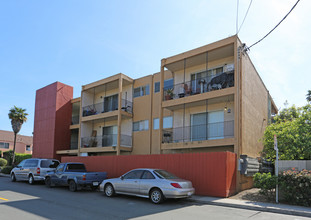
<point x="73" y="145"/>
<point x="109" y="140"/>
<point x="103" y="107"/>
<point x="75" y="120"/>
<point x="210" y="131"/>
<point x="200" y="85"/>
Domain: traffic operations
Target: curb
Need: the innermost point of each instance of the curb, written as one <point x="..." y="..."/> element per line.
<point x="4" y="175"/>
<point x="255" y="207"/>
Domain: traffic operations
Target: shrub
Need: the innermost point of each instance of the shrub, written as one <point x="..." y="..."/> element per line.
<point x="8" y="155"/>
<point x="3" y="162"/>
<point x="6" y="169"/>
<point x="0" y="153"/>
<point x="20" y="157"/>
<point x="295" y="187"/>
<point x="266" y="182"/>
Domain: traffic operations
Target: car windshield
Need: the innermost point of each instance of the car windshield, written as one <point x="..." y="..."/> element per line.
<point x="49" y="163"/>
<point x="163" y="174"/>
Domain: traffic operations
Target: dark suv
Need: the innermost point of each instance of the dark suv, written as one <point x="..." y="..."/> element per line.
<point x="33" y="169"/>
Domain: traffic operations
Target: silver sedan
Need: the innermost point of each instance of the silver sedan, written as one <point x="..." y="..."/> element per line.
<point x="155" y="184"/>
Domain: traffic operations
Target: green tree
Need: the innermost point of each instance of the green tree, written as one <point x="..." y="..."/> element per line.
<point x="18" y="116"/>
<point x="309" y="96"/>
<point x="293" y="129"/>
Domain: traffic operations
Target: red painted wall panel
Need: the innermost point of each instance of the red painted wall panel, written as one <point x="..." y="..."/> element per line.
<point x="52" y="120"/>
<point x="211" y="174"/>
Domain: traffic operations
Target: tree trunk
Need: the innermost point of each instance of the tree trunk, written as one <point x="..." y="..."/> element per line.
<point x="13" y="159"/>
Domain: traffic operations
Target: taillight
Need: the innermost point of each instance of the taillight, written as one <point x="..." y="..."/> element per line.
<point x="38" y="170"/>
<point x="176" y="185"/>
<point x="83" y="177"/>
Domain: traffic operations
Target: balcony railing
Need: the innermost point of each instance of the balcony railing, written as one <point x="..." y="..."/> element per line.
<point x="73" y="145"/>
<point x="75" y="120"/>
<point x="106" y="141"/>
<point x="202" y="132"/>
<point x="200" y="85"/>
<point x="103" y="107"/>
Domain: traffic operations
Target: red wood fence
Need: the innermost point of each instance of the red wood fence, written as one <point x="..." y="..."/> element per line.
<point x="212" y="174"/>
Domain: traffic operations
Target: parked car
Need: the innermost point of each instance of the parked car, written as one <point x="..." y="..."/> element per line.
<point x="33" y="169"/>
<point x="154" y="184"/>
<point x="75" y="176"/>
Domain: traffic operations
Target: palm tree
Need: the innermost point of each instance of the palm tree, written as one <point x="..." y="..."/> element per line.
<point x="309" y="96"/>
<point x="18" y="116"/>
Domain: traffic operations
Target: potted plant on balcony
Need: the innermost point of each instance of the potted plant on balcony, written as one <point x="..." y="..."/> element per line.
<point x="169" y="94"/>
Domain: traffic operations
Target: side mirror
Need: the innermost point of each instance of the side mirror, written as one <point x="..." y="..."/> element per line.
<point x="122" y="177"/>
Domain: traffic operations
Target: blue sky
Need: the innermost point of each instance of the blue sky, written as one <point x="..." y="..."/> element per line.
<point x="78" y="42"/>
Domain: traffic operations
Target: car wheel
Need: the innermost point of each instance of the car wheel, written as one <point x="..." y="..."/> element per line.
<point x="156" y="196"/>
<point x="72" y="186"/>
<point x="31" y="180"/>
<point x="109" y="190"/>
<point x="48" y="182"/>
<point x="13" y="178"/>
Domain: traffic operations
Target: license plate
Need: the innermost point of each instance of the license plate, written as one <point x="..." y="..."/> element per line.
<point x="95" y="183"/>
<point x="189" y="193"/>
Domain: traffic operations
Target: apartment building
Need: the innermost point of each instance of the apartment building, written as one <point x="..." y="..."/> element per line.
<point x="204" y="100"/>
<point x="23" y="143"/>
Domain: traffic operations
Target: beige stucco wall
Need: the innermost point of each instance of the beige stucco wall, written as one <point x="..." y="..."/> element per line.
<point x="21" y="142"/>
<point x="254" y="109"/>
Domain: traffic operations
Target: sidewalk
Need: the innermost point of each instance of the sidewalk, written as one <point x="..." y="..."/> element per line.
<point x="258" y="206"/>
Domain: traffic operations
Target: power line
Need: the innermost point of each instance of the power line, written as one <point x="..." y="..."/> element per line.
<point x="273" y="28"/>
<point x="237" y="16"/>
<point x="245" y="16"/>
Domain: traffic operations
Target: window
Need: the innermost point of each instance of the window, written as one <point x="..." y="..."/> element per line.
<point x="4" y="145"/>
<point x="49" y="163"/>
<point x="156" y="123"/>
<point x="156" y="87"/>
<point x="168" y="122"/>
<point x="163" y="174"/>
<point x="111" y="103"/>
<point x="141" y="125"/>
<point x="136" y="174"/>
<point x="147" y="175"/>
<point x="21" y="164"/>
<point x="141" y="91"/>
<point x="31" y="163"/>
<point x="60" y="168"/>
<point x="28" y="148"/>
<point x="168" y="84"/>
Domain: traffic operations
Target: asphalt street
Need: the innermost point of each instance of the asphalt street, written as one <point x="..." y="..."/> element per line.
<point x="23" y="201"/>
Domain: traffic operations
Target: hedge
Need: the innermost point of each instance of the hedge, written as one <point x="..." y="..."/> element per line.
<point x="3" y="162"/>
<point x="6" y="169"/>
<point x="294" y="186"/>
<point x="8" y="155"/>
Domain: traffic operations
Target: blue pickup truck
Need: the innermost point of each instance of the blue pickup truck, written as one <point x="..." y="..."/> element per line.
<point x="75" y="176"/>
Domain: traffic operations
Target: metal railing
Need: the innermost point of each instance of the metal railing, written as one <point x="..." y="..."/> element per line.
<point x="75" y="120"/>
<point x="98" y="108"/>
<point x="201" y="132"/>
<point x="200" y="85"/>
<point x="108" y="140"/>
